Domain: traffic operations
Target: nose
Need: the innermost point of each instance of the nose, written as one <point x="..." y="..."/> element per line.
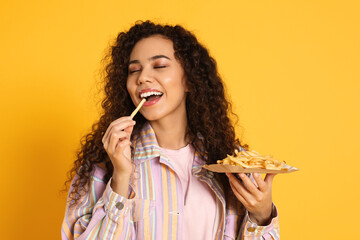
<point x="145" y="76"/>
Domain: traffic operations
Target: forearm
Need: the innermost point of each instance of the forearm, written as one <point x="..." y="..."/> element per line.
<point x="120" y="184"/>
<point x="263" y="219"/>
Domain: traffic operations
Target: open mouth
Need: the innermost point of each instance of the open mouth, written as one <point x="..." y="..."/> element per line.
<point x="151" y="96"/>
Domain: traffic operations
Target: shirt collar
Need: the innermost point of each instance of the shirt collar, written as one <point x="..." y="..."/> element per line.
<point x="147" y="147"/>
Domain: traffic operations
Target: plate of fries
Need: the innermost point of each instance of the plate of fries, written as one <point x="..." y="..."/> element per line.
<point x="250" y="162"/>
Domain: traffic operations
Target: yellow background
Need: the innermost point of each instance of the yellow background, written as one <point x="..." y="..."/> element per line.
<point x="290" y="67"/>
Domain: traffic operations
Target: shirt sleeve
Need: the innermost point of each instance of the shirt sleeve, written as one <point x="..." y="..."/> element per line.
<point x="100" y="213"/>
<point x="250" y="230"/>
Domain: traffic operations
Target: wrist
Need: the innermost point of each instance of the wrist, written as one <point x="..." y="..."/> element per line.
<point x="121" y="176"/>
<point x="121" y="173"/>
<point x="120" y="183"/>
<point x="262" y="219"/>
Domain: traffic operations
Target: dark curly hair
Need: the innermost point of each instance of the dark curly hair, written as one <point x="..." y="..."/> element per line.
<point x="207" y="107"/>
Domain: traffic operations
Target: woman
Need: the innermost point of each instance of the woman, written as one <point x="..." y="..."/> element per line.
<point x="143" y="179"/>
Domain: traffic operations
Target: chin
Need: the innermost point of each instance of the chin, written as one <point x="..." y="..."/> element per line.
<point x="152" y="117"/>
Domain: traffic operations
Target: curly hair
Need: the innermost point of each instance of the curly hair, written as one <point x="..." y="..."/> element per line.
<point x="206" y="105"/>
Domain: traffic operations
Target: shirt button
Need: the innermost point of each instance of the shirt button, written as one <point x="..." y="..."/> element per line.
<point x="119" y="205"/>
<point x="251" y="229"/>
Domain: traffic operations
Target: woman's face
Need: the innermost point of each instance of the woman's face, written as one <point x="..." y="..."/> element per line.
<point x="155" y="74"/>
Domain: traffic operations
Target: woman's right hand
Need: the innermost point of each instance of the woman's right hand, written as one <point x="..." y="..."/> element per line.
<point x="116" y="141"/>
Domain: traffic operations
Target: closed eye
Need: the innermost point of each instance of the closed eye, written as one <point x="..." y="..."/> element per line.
<point x="132" y="71"/>
<point x="138" y="70"/>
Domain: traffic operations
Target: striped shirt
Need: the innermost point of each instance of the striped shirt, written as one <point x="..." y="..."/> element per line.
<point x="154" y="209"/>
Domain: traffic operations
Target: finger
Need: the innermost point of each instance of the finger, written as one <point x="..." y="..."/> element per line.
<point x="109" y="140"/>
<point x="239" y="187"/>
<point x="129" y="129"/>
<point x="269" y="178"/>
<point x="120" y="146"/>
<point x="238" y="196"/>
<point x="120" y="125"/>
<point x="115" y="138"/>
<point x="249" y="184"/>
<point x="260" y="182"/>
<point x="112" y="124"/>
<point x="125" y="126"/>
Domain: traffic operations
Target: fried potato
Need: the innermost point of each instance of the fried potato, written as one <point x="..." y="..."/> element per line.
<point x="252" y="159"/>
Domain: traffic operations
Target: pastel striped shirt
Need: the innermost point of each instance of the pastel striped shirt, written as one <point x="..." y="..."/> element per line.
<point x="154" y="209"/>
<point x="201" y="208"/>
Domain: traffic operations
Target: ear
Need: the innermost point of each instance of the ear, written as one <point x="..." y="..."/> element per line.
<point x="186" y="84"/>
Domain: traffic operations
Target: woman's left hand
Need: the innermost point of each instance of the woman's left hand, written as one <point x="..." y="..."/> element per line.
<point x="257" y="200"/>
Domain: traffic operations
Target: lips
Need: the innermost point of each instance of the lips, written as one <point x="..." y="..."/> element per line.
<point x="149" y="92"/>
<point x="151" y="95"/>
<point x="151" y="102"/>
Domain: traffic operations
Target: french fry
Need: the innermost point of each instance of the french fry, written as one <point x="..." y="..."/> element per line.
<point x="252" y="159"/>
<point x="138" y="108"/>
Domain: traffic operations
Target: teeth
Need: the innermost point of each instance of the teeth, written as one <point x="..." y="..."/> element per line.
<point x="148" y="94"/>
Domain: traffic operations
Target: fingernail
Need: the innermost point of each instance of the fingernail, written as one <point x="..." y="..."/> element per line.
<point x="242" y="175"/>
<point x="256" y="174"/>
<point x="133" y="122"/>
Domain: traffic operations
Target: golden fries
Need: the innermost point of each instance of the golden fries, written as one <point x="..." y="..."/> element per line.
<point x="138" y="108"/>
<point x="252" y="159"/>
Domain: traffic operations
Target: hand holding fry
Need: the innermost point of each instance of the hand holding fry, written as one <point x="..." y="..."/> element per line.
<point x="116" y="142"/>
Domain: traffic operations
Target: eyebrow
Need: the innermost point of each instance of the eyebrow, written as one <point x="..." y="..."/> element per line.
<point x="152" y="58"/>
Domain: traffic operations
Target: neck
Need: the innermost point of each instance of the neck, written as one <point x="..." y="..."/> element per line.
<point x="171" y="133"/>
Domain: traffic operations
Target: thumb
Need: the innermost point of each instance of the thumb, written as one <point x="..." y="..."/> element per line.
<point x="269" y="178"/>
